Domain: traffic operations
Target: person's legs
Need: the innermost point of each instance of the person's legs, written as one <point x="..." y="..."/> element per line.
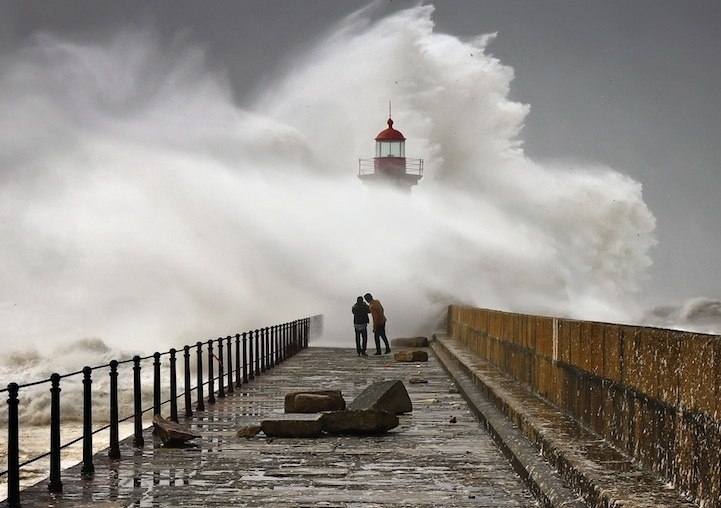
<point x="364" y="341"/>
<point x="382" y="333"/>
<point x="376" y="337"/>
<point x="358" y="341"/>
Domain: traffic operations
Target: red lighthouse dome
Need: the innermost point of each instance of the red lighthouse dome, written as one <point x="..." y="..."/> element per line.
<point x="390" y="133"/>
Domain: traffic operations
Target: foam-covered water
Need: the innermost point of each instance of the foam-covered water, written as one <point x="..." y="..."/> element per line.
<point x="142" y="205"/>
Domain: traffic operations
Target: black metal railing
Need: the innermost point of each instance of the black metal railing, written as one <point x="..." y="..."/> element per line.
<point x="256" y="351"/>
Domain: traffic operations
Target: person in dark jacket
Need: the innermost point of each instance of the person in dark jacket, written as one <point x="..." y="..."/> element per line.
<point x="360" y="323"/>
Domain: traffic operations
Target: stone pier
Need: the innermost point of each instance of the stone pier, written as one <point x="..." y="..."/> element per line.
<point x="439" y="455"/>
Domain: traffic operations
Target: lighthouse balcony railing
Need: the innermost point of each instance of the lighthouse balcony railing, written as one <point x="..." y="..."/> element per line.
<point x="369" y="166"/>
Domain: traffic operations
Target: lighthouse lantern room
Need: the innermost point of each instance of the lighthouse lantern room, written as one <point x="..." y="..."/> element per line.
<point x="390" y="165"/>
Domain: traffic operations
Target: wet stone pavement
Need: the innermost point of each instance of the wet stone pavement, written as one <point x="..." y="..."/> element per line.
<point x="440" y="455"/>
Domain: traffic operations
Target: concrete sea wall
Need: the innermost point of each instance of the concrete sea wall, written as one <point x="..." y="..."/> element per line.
<point x="653" y="393"/>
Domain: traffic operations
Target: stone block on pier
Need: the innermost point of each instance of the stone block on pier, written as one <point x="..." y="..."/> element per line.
<point x="293" y="425"/>
<point x="411" y="356"/>
<point x="359" y="421"/>
<point x="390" y="396"/>
<point x="314" y="401"/>
<point x="171" y="433"/>
<point x="248" y="431"/>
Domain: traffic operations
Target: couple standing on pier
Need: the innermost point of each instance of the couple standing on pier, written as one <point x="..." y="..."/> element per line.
<point x="360" y="322"/>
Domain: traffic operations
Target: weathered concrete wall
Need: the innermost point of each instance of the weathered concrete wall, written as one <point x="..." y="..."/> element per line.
<point x="652" y="392"/>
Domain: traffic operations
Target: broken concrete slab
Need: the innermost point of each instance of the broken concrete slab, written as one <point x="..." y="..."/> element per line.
<point x="314" y="403"/>
<point x="293" y="425"/>
<point x="411" y="356"/>
<point x="171" y="433"/>
<point x="248" y="431"/>
<point x="334" y="400"/>
<point x="359" y="421"/>
<point x="390" y="396"/>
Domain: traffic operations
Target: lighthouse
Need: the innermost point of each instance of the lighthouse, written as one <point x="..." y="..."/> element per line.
<point x="390" y="166"/>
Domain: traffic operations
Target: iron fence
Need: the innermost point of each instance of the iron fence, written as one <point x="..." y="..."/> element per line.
<point x="240" y="358"/>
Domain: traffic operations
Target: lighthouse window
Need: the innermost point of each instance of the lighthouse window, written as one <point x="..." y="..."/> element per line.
<point x="390" y="149"/>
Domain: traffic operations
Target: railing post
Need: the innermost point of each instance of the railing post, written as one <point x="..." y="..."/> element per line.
<point x="271" y="349"/>
<point x="237" y="361"/>
<point x="245" y="358"/>
<point x="173" y="387"/>
<point x="276" y="348"/>
<point x="156" y="385"/>
<point x="88" y="468"/>
<point x="262" y="349"/>
<point x="301" y="342"/>
<point x="266" y="349"/>
<point x="257" y="352"/>
<point x="270" y="339"/>
<point x="138" y="401"/>
<point x="287" y="341"/>
<point x="306" y="328"/>
<point x="268" y="353"/>
<point x="288" y="331"/>
<point x="307" y="333"/>
<point x="230" y="366"/>
<point x="188" y="397"/>
<point x="13" y="447"/>
<point x="221" y="368"/>
<point x="211" y="377"/>
<point x="293" y="337"/>
<point x="114" y="450"/>
<point x="299" y="335"/>
<point x="302" y="336"/>
<point x="281" y="344"/>
<point x="55" y="485"/>
<point x="251" y="356"/>
<point x="201" y="403"/>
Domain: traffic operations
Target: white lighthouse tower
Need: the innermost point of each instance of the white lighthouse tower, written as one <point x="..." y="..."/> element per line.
<point x="390" y="165"/>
